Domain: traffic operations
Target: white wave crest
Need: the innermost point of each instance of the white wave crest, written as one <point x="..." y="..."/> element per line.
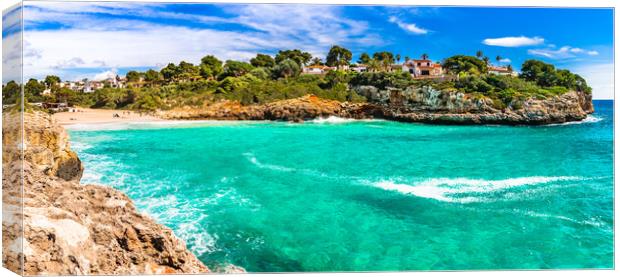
<point x="591" y="119"/>
<point x="338" y="120"/>
<point x="308" y="172"/>
<point x="587" y="120"/>
<point x="255" y="161"/>
<point x="449" y="189"/>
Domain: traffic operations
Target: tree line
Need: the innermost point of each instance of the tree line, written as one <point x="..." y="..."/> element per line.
<point x="267" y="78"/>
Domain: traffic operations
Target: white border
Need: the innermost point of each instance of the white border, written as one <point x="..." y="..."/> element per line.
<point x="525" y="3"/>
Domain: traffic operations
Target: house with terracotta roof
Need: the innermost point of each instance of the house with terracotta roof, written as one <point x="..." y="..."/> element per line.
<point x="423" y="68"/>
<point x="501" y="70"/>
<point x="316" y="69"/>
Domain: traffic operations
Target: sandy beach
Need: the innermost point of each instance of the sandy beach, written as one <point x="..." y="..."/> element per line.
<point x="94" y="116"/>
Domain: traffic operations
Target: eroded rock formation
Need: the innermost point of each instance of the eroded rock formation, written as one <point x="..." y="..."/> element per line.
<point x="58" y="226"/>
<point x="298" y="109"/>
<point x="432" y="106"/>
<point x="410" y="105"/>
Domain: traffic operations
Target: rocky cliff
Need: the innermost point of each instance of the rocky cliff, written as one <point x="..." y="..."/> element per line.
<point x="428" y="105"/>
<point x="55" y="225"/>
<point x="296" y="110"/>
<point x="409" y="105"/>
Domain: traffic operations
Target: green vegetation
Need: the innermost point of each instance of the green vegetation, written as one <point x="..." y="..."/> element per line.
<point x="265" y="78"/>
<point x="537" y="79"/>
<point x="338" y="56"/>
<point x="10" y="92"/>
<point x="465" y="64"/>
<point x="546" y="75"/>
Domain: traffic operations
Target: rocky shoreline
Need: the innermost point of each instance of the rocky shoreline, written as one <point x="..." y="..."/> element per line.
<point x="423" y="105"/>
<point x="56" y="225"/>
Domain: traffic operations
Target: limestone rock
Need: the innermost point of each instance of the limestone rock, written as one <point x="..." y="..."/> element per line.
<point x="69" y="228"/>
<point x="428" y="105"/>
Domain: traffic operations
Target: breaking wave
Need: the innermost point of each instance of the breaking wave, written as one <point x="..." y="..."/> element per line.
<point x="338" y="120"/>
<point x="255" y="161"/>
<point x="587" y="120"/>
<point x="464" y="190"/>
<point x="309" y="172"/>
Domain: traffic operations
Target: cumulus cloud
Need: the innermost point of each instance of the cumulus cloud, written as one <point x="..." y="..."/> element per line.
<point x="97" y="35"/>
<point x="564" y="52"/>
<point x="514" y="41"/>
<point x="105" y="74"/>
<point x="409" y="27"/>
<point x="505" y="60"/>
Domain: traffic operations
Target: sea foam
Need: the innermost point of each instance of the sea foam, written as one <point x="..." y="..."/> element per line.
<point x="589" y="119"/>
<point x="338" y="120"/>
<point x="308" y="172"/>
<point x="452" y="189"/>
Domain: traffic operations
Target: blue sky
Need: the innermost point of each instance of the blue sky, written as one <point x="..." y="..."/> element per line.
<point x="94" y="40"/>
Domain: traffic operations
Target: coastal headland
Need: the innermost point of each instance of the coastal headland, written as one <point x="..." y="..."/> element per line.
<point x="405" y="106"/>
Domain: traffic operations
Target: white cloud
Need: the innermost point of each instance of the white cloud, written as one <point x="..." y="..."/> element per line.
<point x="105" y="75"/>
<point x="564" y="52"/>
<point x="514" y="41"/>
<point x="600" y="77"/>
<point x="505" y="60"/>
<point x="11" y="46"/>
<point x="62" y="49"/>
<point x="92" y="41"/>
<point x="409" y="27"/>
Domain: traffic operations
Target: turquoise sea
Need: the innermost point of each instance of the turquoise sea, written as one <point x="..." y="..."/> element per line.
<point x="345" y="195"/>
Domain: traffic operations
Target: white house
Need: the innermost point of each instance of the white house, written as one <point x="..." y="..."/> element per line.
<point x="116" y="82"/>
<point x="359" y="68"/>
<point x="92" y="86"/>
<point x="501" y="70"/>
<point x="423" y="68"/>
<point x="316" y="69"/>
<point x="75" y="86"/>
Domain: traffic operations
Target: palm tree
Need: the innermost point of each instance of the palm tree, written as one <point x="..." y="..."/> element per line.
<point x="407" y="58"/>
<point x="486" y="60"/>
<point x="398" y="58"/>
<point x="374" y="65"/>
<point x="317" y="61"/>
<point x="479" y="54"/>
<point x="425" y="56"/>
<point x="498" y="58"/>
<point x="509" y="67"/>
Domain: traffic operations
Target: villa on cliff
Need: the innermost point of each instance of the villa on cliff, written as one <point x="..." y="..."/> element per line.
<point x="316" y="69"/>
<point x="418" y="68"/>
<point x="423" y="68"/>
<point x="501" y="70"/>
